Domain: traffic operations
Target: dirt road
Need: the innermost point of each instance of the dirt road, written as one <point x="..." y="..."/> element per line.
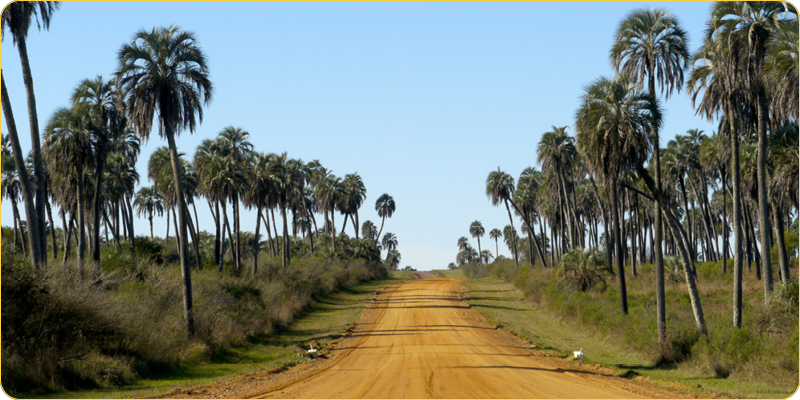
<point x="419" y="340"/>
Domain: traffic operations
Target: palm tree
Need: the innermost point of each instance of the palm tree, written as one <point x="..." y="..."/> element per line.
<point x="500" y="188"/>
<point x="556" y="153"/>
<point x="715" y="73"/>
<point x="233" y="143"/>
<point x="355" y="193"/>
<point x="526" y="199"/>
<point x="148" y="202"/>
<point x="496" y="234"/>
<point x="782" y="70"/>
<point x="476" y="230"/>
<point x="389" y="243"/>
<point x="385" y="207"/>
<point x="754" y="24"/>
<point x="612" y="123"/>
<point x="463" y="243"/>
<point x="17" y="17"/>
<point x="327" y="192"/>
<point x="369" y="230"/>
<point x="68" y="151"/>
<point x="99" y="98"/>
<point x="11" y="188"/>
<point x="486" y="256"/>
<point x="650" y="44"/>
<point x="165" y="70"/>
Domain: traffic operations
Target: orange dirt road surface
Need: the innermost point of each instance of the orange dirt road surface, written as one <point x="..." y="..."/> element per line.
<point x="418" y="339"/>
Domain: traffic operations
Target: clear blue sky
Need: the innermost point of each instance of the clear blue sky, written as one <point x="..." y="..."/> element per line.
<point x="423" y="100"/>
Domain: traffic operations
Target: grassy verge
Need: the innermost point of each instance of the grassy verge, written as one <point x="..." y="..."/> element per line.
<point x="324" y="322"/>
<point x="447" y="273"/>
<point x="504" y="305"/>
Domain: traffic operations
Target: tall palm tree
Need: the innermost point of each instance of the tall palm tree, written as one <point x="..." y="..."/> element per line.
<point x="385" y="207"/>
<point x="69" y="150"/>
<point x="556" y="152"/>
<point x="165" y="70"/>
<point x="500" y="188"/>
<point x="782" y="71"/>
<point x="233" y="143"/>
<point x="99" y="98"/>
<point x="17" y="17"/>
<point x="26" y="185"/>
<point x="148" y="203"/>
<point x="496" y="234"/>
<point x="755" y="24"/>
<point x="11" y="187"/>
<point x="327" y="192"/>
<point x="650" y="44"/>
<point x="612" y="122"/>
<point x="389" y="243"/>
<point x="355" y="193"/>
<point x="476" y="230"/>
<point x="716" y="75"/>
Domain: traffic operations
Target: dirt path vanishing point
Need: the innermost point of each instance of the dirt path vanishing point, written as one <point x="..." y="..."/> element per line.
<point x="418" y="339"/>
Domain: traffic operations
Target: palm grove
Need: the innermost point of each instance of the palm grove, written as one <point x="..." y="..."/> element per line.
<point x="611" y="186"/>
<point x="85" y="165"/>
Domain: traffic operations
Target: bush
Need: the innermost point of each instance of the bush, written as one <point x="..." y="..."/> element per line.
<point x="585" y="269"/>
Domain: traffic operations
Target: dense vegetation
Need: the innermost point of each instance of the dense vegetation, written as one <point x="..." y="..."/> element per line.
<point x="678" y="206"/>
<point x="144" y="305"/>
<point x="764" y="350"/>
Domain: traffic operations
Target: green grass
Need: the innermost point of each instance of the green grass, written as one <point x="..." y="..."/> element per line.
<point x="446" y="273"/>
<point x="324" y="322"/>
<point x="504" y="305"/>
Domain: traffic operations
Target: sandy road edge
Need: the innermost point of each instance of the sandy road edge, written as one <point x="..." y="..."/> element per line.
<point x="257" y="383"/>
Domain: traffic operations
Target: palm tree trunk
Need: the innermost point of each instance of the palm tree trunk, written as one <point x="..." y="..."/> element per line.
<point x="688" y="215"/>
<point x="81" y="225"/>
<point x="275" y="229"/>
<point x="724" y="223"/>
<point x="623" y="293"/>
<point x="763" y="206"/>
<point x="783" y="262"/>
<point x="28" y="190"/>
<point x="166" y="238"/>
<point x="68" y="240"/>
<point x="513" y="239"/>
<point x="130" y="220"/>
<point x="659" y="234"/>
<point x="236" y="230"/>
<point x="38" y="164"/>
<point x="16" y="218"/>
<point x="688" y="267"/>
<point x="265" y="217"/>
<point x="333" y="229"/>
<point x="286" y="249"/>
<point x="256" y="246"/>
<point x="52" y="229"/>
<point x="381" y="230"/>
<point x="223" y="220"/>
<point x="96" y="205"/>
<point x="150" y="218"/>
<point x="751" y="231"/>
<point x="186" y="273"/>
<point x="709" y="254"/>
<point x="64" y="227"/>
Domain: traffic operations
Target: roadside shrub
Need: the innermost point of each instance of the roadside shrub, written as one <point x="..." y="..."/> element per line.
<point x="585" y="269"/>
